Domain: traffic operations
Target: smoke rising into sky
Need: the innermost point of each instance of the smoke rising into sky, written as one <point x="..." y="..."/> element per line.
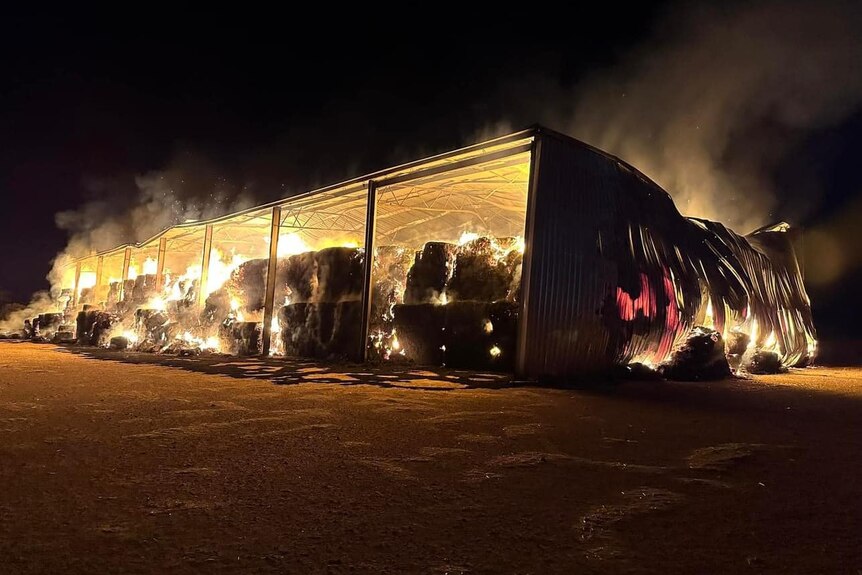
<point x="711" y="105"/>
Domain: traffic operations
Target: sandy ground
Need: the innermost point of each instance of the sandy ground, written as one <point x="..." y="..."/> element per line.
<point x="125" y="465"/>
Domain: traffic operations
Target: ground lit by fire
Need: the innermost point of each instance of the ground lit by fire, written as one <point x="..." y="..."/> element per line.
<point x="210" y="465"/>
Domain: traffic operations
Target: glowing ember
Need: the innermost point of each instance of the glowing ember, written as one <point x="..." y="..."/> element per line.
<point x="495" y="351"/>
<point x="131" y="336"/>
<point x="488" y="327"/>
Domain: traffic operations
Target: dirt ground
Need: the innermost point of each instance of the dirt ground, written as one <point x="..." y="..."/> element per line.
<point x="120" y="463"/>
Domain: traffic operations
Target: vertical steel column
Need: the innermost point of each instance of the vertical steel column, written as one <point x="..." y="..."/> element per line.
<point x="77" y="280"/>
<point x="368" y="270"/>
<point x="127" y="260"/>
<point x="205" y="265"/>
<point x="160" y="264"/>
<point x="529" y="224"/>
<point x="97" y="289"/>
<point x="268" y="303"/>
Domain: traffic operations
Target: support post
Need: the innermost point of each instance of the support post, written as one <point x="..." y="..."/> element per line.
<point x="160" y="264"/>
<point x="368" y="270"/>
<point x="77" y="281"/>
<point x="269" y="301"/>
<point x="97" y="290"/>
<point x="127" y="260"/>
<point x="526" y="265"/>
<point x="205" y="265"/>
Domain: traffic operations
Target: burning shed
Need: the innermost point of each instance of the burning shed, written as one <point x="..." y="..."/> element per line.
<point x="533" y="252"/>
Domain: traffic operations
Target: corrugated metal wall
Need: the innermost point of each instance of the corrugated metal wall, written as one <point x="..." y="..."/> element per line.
<point x="567" y="278"/>
<point x="614" y="274"/>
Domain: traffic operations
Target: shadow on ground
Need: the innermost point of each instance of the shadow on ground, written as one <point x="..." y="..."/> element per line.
<point x="286" y="371"/>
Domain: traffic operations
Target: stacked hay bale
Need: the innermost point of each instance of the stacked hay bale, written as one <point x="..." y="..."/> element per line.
<point x="322" y="292"/>
<point x="460" y="305"/>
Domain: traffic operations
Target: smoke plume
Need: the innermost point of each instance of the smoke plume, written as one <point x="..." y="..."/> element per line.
<point x="714" y="102"/>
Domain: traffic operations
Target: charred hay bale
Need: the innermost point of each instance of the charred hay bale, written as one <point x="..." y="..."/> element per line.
<point x="114" y="291"/>
<point x="247" y="284"/>
<point x="119" y="343"/>
<point x="339" y="325"/>
<point x="247" y="336"/>
<point x="427" y="279"/>
<point x="301" y="277"/>
<point x="339" y="274"/>
<point x="103" y="326"/>
<point x="480" y="273"/>
<point x="84" y="326"/>
<point x="50" y="321"/>
<point x="700" y="358"/>
<point x="151" y="325"/>
<point x="144" y="288"/>
<point x="513" y="264"/>
<point x="216" y="307"/>
<point x="295" y="334"/>
<point x="389" y="276"/>
<point x="480" y="335"/>
<point x="87" y="295"/>
<point x="129" y="290"/>
<point x="736" y="345"/>
<point x="63" y="335"/>
<point x="420" y="332"/>
<point x="764" y="363"/>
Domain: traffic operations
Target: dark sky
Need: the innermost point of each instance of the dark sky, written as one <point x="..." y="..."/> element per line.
<point x="277" y="102"/>
<point x="283" y="102"/>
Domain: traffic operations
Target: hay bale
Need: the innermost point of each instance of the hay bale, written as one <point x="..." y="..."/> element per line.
<point x="104" y="324"/>
<point x="700" y="358"/>
<point x="765" y="363"/>
<point x="295" y="334"/>
<point x="84" y="325"/>
<point x="339" y="274"/>
<point x="247" y="284"/>
<point x="420" y="332"/>
<point x="301" y="277"/>
<point x="119" y="343"/>
<point x="481" y="335"/>
<point x="144" y="288"/>
<point x="478" y="273"/>
<point x="427" y="279"/>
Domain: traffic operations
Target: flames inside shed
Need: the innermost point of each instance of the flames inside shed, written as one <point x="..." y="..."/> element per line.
<point x="445" y="283"/>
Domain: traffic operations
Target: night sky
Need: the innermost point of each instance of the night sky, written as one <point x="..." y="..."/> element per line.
<point x="269" y="104"/>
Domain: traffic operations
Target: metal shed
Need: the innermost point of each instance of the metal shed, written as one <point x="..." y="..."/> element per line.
<point x="602" y="268"/>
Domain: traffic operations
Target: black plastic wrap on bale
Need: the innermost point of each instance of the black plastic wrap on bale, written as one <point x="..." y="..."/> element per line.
<point x="102" y="329"/>
<point x="242" y="338"/>
<point x="700" y="358"/>
<point x="430" y="273"/>
<point x="484" y="271"/>
<point x="325" y="330"/>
